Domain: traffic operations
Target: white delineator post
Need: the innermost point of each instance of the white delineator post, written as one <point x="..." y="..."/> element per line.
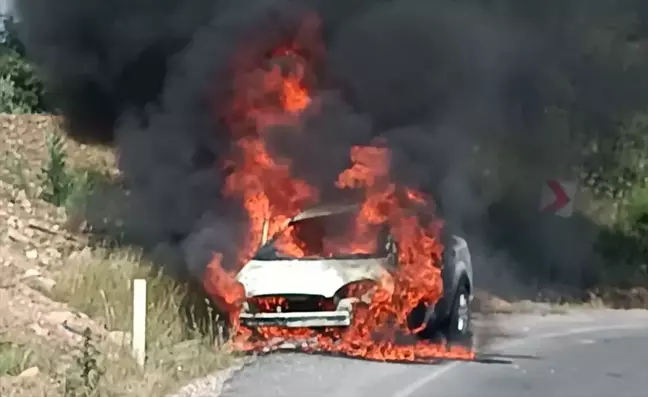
<point x="139" y="321"/>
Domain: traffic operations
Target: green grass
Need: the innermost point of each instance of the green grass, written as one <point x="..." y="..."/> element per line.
<point x="15" y="358"/>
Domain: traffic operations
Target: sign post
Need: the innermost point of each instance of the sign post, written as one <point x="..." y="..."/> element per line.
<point x="558" y="197"/>
<point x="139" y="321"/>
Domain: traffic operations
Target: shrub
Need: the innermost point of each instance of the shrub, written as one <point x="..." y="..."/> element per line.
<point x="21" y="89"/>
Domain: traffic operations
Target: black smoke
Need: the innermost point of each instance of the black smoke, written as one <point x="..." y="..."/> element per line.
<point x="444" y="81"/>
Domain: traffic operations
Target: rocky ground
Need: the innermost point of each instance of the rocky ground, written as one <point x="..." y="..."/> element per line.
<point x="56" y="282"/>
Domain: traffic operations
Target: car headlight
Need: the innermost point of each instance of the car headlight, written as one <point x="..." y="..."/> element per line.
<point x="362" y="290"/>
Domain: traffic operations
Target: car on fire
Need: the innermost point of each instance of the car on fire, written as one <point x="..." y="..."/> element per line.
<point x="312" y="291"/>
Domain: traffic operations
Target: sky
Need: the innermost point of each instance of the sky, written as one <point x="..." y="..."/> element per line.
<point x="5" y="6"/>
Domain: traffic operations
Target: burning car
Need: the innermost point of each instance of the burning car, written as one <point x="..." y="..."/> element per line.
<point x="322" y="288"/>
<point x="373" y="277"/>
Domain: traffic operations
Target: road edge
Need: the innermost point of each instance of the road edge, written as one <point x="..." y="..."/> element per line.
<point x="212" y="385"/>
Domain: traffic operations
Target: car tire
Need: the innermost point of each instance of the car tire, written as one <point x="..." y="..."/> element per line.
<point x="458" y="327"/>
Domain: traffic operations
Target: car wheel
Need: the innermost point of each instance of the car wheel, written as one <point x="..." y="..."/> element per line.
<point x="459" y="327"/>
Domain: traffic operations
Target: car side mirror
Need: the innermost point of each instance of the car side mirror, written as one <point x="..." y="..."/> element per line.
<point x="391" y="249"/>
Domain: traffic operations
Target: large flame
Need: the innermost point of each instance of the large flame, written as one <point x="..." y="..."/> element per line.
<point x="263" y="100"/>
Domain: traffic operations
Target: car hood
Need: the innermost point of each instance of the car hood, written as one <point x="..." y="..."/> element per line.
<point x="307" y="277"/>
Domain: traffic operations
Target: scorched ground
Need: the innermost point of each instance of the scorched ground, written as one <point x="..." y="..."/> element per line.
<point x="280" y="92"/>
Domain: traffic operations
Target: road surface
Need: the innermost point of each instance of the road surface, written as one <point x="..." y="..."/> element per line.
<point x="585" y="353"/>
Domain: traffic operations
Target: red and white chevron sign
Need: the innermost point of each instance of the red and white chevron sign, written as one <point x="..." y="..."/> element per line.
<point x="558" y="197"/>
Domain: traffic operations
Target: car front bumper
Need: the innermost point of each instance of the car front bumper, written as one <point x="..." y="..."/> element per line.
<point x="338" y="318"/>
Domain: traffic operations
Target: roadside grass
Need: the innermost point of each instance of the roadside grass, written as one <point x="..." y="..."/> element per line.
<point x="178" y="349"/>
<point x="15" y="358"/>
<point x="22" y="366"/>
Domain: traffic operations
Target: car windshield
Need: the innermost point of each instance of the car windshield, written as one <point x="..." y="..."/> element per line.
<point x="331" y="236"/>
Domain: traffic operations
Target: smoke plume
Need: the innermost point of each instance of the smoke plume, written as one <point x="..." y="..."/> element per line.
<point x="444" y="82"/>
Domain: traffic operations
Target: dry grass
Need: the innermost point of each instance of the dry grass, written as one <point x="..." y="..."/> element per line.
<point x="99" y="283"/>
<point x="100" y="286"/>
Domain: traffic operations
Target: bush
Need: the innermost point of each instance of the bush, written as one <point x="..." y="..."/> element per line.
<point x="21" y="89"/>
<point x="10" y="101"/>
<point x="63" y="185"/>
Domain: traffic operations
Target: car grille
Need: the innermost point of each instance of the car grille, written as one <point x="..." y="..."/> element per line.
<point x="290" y="304"/>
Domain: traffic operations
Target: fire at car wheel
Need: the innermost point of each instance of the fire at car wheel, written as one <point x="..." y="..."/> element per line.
<point x="458" y="329"/>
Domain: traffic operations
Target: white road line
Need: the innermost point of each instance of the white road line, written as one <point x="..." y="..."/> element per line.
<point x="414" y="387"/>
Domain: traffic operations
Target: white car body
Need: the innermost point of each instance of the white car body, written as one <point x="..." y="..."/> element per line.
<point x="307" y="278"/>
<point x="301" y="277"/>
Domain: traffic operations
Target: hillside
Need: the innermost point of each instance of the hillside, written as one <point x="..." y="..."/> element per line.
<point x="56" y="282"/>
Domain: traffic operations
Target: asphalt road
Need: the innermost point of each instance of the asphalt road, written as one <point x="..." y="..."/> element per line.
<point x="585" y="353"/>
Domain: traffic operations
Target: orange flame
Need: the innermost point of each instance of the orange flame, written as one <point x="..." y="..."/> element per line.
<point x="268" y="191"/>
